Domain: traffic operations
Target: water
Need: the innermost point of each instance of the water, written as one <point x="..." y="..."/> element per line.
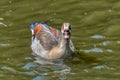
<point x="95" y="33"/>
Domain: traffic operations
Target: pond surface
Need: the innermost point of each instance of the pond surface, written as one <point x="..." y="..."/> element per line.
<point x="95" y="33"/>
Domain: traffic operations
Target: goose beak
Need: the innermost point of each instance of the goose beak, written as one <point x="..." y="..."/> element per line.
<point x="66" y="34"/>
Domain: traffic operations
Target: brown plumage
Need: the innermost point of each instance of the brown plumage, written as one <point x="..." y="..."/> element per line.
<point x="51" y="43"/>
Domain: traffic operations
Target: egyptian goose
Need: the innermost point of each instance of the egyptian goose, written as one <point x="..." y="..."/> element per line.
<point x="51" y="43"/>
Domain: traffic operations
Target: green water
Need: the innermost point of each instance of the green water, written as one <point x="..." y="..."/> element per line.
<point x="95" y="33"/>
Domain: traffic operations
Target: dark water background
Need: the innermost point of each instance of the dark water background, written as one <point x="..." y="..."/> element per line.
<point x="95" y="33"/>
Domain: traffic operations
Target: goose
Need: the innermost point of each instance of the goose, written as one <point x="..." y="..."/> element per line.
<point x="51" y="43"/>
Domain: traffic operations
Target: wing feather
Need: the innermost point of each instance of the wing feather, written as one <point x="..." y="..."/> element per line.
<point x="47" y="40"/>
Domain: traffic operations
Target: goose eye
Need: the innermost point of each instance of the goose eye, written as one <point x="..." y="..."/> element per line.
<point x="70" y="28"/>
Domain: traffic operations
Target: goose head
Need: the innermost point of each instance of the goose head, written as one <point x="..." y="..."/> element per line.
<point x="66" y="30"/>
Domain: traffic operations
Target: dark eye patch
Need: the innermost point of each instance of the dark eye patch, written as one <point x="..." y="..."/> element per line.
<point x="69" y="27"/>
<point x="66" y="30"/>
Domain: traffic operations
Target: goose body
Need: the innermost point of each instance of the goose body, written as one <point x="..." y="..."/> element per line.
<point x="51" y="43"/>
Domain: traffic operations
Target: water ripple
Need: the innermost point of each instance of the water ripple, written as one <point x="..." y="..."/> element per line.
<point x="3" y="24"/>
<point x="4" y="44"/>
<point x="97" y="36"/>
<point x="94" y="50"/>
<point x="105" y="43"/>
<point x="118" y="42"/>
<point x="10" y="69"/>
<point x="30" y="65"/>
<point x="39" y="78"/>
<point x="98" y="50"/>
<point x="99" y="67"/>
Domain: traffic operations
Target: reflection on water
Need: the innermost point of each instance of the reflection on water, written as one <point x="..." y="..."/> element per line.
<point x="48" y="70"/>
<point x="95" y="32"/>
